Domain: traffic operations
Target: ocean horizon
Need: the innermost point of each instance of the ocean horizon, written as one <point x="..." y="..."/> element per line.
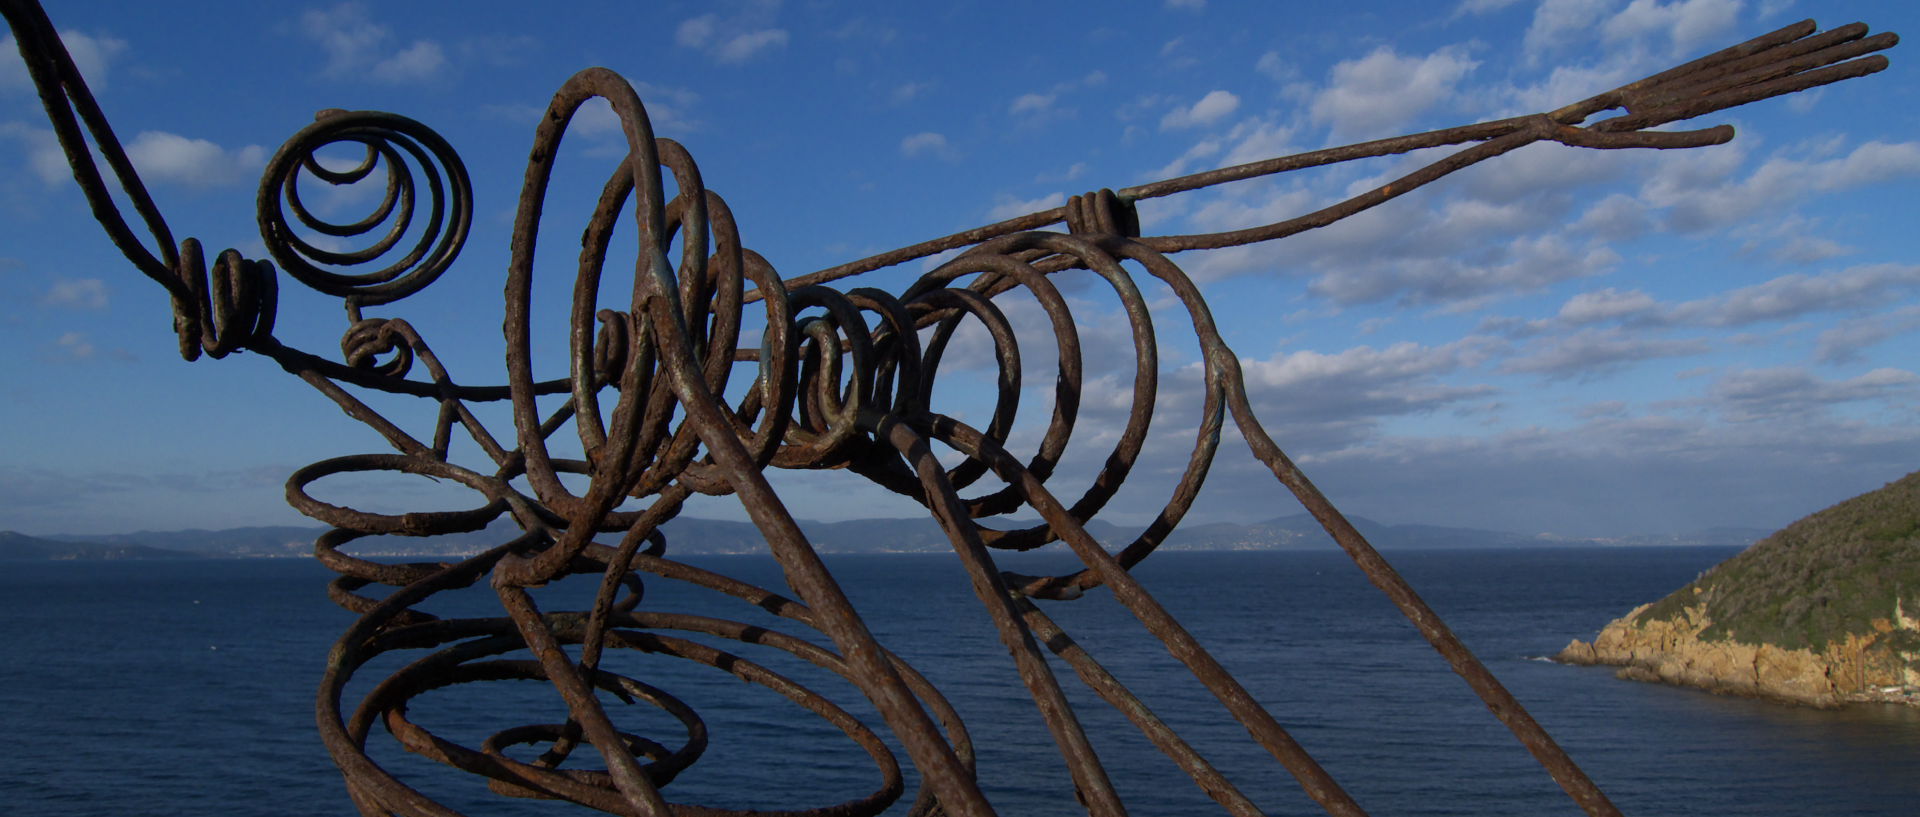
<point x="187" y="688"/>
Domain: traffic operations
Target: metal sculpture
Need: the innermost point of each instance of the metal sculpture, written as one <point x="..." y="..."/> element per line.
<point x="846" y="385"/>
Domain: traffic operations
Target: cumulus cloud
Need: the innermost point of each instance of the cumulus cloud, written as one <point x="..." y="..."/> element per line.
<point x="1037" y="108"/>
<point x="1779" y="300"/>
<point x="1709" y="197"/>
<point x="1481" y="6"/>
<point x="356" y="46"/>
<point x="1458" y="281"/>
<point x="1844" y="341"/>
<point x="732" y="39"/>
<point x="1793" y="295"/>
<point x="1213" y="107"/>
<point x="1276" y="67"/>
<point x="1253" y="140"/>
<point x="907" y="92"/>
<point x="1687" y="25"/>
<point x="77" y="293"/>
<point x="75" y="346"/>
<point x="1031" y="103"/>
<point x="1557" y="23"/>
<point x="1008" y="207"/>
<point x="1606" y="305"/>
<point x="160" y="157"/>
<point x="1618" y="217"/>
<point x="928" y="143"/>
<point x="1809" y="249"/>
<point x="1384" y="91"/>
<point x="45" y="159"/>
<point x="168" y="157"/>
<point x="1587" y="353"/>
<point x="421" y="60"/>
<point x="1313" y="401"/>
<point x="94" y="56"/>
<point x="1751" y="395"/>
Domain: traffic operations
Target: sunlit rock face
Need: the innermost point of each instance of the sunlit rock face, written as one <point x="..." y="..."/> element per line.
<point x="1816" y="614"/>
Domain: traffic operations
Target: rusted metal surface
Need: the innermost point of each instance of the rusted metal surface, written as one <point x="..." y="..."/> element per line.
<point x="839" y="379"/>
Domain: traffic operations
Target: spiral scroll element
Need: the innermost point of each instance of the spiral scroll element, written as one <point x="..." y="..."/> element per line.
<point x="388" y="140"/>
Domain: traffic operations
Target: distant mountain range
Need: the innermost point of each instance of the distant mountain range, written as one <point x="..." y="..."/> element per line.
<point x="712" y="536"/>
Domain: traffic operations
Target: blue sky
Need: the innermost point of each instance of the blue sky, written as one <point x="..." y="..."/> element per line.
<point x="1579" y="342"/>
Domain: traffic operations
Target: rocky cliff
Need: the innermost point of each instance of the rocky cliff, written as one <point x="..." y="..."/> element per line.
<point x="1821" y="613"/>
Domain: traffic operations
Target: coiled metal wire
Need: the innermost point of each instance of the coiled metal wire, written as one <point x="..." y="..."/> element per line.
<point x="840" y="379"/>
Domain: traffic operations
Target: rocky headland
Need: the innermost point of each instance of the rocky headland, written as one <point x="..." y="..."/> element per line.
<point x="1822" y="613"/>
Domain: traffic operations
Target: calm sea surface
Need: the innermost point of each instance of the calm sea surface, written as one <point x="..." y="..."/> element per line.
<point x="175" y="688"/>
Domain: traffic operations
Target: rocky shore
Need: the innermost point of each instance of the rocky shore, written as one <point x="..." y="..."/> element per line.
<point x="1822" y="612"/>
<point x="1855" y="668"/>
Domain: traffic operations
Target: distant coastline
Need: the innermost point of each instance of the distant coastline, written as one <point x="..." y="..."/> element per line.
<point x="719" y="537"/>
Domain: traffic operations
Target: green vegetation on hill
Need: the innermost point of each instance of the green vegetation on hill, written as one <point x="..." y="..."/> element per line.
<point x="1816" y="581"/>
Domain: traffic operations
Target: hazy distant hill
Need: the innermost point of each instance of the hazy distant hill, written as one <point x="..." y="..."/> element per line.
<point x="1826" y="610"/>
<point x="285" y="540"/>
<point x="21" y="547"/>
<point x="906" y="535"/>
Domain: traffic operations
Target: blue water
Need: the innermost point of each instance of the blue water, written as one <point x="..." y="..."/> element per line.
<point x="166" y="688"/>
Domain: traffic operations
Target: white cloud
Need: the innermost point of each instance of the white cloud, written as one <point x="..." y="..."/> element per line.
<point x="908" y="91"/>
<point x="668" y="107"/>
<point x="1276" y="67"/>
<point x="1606" y="305"/>
<point x="1431" y="259"/>
<point x="1589" y="352"/>
<point x="1781" y="299"/>
<point x="1687" y="25"/>
<point x="1194" y="5"/>
<point x="1314" y="401"/>
<point x="1559" y="22"/>
<point x="1257" y="139"/>
<point x="1074" y="171"/>
<point x="1040" y="107"/>
<point x="94" y="56"/>
<point x="357" y="46"/>
<point x="696" y="32"/>
<point x="1481" y="6"/>
<point x="76" y="346"/>
<point x="1007" y="207"/>
<point x="1842" y="343"/>
<point x="416" y="62"/>
<point x="79" y="293"/>
<point x="1708" y="197"/>
<point x="1790" y="296"/>
<point x="1800" y="248"/>
<point x="1618" y="217"/>
<point x="1302" y="369"/>
<point x="732" y="39"/>
<point x="1200" y="150"/>
<point x="1384" y="91"/>
<point x="744" y="46"/>
<point x="1031" y="103"/>
<point x="928" y="143"/>
<point x="1750" y="395"/>
<point x="1213" y="107"/>
<point x="45" y="159"/>
<point x="165" y="157"/>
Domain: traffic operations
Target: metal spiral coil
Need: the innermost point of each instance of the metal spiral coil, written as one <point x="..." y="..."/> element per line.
<point x="840" y="379"/>
<point x="388" y="141"/>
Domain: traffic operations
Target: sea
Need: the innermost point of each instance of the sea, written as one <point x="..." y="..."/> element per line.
<point x="187" y="688"/>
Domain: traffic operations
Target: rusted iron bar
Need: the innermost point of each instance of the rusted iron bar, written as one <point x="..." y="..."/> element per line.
<point x="839" y="379"/>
